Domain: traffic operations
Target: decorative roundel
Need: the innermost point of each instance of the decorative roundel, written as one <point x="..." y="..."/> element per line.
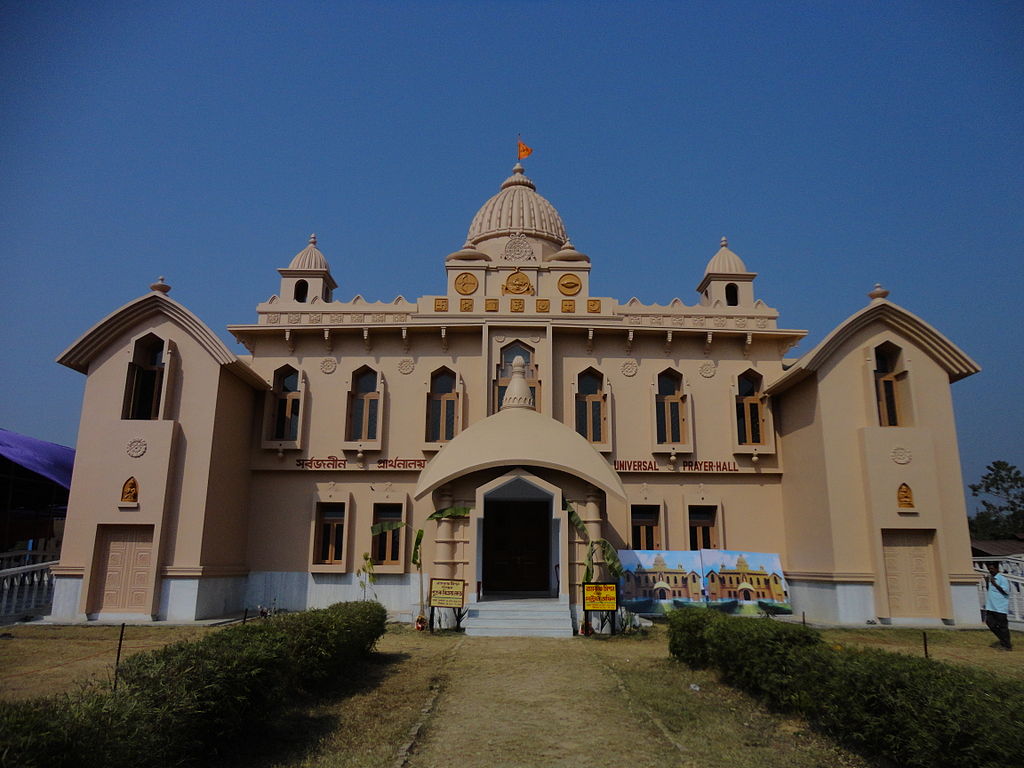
<point x="136" y="447"/>
<point x="466" y="283"/>
<point x="518" y="282"/>
<point x="630" y="367"/>
<point x="762" y="322"/>
<point x="328" y="365"/>
<point x="518" y="248"/>
<point x="901" y="455"/>
<point x="569" y="285"/>
<point x="707" y="369"/>
<point x="406" y="365"/>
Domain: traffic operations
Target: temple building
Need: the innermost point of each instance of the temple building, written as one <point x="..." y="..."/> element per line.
<point x="207" y="481"/>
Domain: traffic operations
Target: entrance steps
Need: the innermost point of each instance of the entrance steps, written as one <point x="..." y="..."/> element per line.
<point x="522" y="617"/>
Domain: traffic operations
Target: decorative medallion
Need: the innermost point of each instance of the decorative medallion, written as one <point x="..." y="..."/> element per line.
<point x="440" y="305"/>
<point x="406" y="365"/>
<point x="518" y="282"/>
<point x="518" y="248"/>
<point x="466" y="283"/>
<point x="630" y="367"/>
<point x="741" y="322"/>
<point x="719" y="322"/>
<point x="491" y="305"/>
<point x="708" y="369"/>
<point x="274" y="318"/>
<point x="570" y="285"/>
<point x="130" y="491"/>
<point x="678" y="321"/>
<point x="535" y="339"/>
<point x="377" y="318"/>
<point x="518" y="305"/>
<point x="762" y="322"/>
<point x="465" y="305"/>
<point x="500" y="339"/>
<point x="593" y="305"/>
<point x="315" y="317"/>
<point x="656" y="320"/>
<point x="634" y="319"/>
<point x="335" y="317"/>
<point x="901" y="455"/>
<point x="543" y="305"/>
<point x="698" y="322"/>
<point x="357" y="317"/>
<point x="294" y="318"/>
<point x="136" y="448"/>
<point x="328" y="365"/>
<point x="568" y="305"/>
<point x="904" y="497"/>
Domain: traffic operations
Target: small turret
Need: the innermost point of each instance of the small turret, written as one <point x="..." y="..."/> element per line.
<point x="308" y="277"/>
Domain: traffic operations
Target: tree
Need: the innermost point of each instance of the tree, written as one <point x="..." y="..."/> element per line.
<point x="1004" y="517"/>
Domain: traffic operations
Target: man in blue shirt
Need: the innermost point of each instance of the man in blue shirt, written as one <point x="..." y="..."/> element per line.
<point x="997" y="604"/>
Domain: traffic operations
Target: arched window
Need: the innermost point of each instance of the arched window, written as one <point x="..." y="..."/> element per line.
<point x="732" y="294"/>
<point x="749" y="410"/>
<point x="287" y="403"/>
<point x="889" y="381"/>
<point x="363" y="405"/>
<point x="301" y="290"/>
<point x="670" y="408"/>
<point x="590" y="406"/>
<point x="442" y="406"/>
<point x="145" y="380"/>
<point x="504" y="373"/>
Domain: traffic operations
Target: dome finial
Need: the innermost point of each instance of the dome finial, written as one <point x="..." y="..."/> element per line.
<point x="878" y="292"/>
<point x="517" y="394"/>
<point x="312" y="239"/>
<point x="724" y="242"/>
<point x="518" y="168"/>
<point x="160" y="286"/>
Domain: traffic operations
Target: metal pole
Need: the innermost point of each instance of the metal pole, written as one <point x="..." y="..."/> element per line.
<point x="117" y="663"/>
<point x="924" y="636"/>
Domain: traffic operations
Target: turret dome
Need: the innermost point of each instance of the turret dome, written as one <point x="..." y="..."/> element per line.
<point x="517" y="208"/>
<point x="310" y="257"/>
<point x="725" y="261"/>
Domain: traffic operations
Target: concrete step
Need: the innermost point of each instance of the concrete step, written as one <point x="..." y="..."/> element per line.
<point x="535" y="617"/>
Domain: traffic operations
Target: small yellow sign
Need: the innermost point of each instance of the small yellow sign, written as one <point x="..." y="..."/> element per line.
<point x="447" y="593"/>
<point x="601" y="597"/>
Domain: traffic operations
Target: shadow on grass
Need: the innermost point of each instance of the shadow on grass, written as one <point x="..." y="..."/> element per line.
<point x="297" y="732"/>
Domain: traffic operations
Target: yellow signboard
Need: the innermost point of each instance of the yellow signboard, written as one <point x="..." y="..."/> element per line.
<point x="601" y="597"/>
<point x="447" y="593"/>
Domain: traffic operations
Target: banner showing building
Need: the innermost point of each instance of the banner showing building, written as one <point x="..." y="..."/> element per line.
<point x="656" y="582"/>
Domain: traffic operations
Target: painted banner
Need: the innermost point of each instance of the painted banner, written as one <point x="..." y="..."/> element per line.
<point x="601" y="596"/>
<point x="655" y="582"/>
<point x="447" y="593"/>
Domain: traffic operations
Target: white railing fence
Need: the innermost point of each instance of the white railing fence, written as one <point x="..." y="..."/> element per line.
<point x="1013" y="568"/>
<point x="26" y="590"/>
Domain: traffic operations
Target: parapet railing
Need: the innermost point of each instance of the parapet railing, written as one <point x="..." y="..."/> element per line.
<point x="1013" y="568"/>
<point x="27" y="589"/>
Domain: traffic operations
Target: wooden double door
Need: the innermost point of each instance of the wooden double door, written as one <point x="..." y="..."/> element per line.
<point x="910" y="573"/>
<point x="517" y="546"/>
<point x="123" y="569"/>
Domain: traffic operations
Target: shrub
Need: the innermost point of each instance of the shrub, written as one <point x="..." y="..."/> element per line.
<point x="189" y="701"/>
<point x="915" y="712"/>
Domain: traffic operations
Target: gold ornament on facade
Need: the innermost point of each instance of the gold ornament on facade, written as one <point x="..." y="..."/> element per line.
<point x="904" y="497"/>
<point x="543" y="305"/>
<point x="130" y="491"/>
<point x="518" y="305"/>
<point x="466" y="283"/>
<point x="491" y="305"/>
<point x="593" y="305"/>
<point x="570" y="285"/>
<point x="518" y="282"/>
<point x="440" y="305"/>
<point x="465" y="305"/>
<point x="568" y="305"/>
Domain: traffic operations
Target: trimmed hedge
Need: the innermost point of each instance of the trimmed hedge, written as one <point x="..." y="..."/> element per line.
<point x="913" y="711"/>
<point x="187" y="702"/>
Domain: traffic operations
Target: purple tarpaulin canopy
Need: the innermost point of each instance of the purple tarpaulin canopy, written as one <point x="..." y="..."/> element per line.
<point x="50" y="460"/>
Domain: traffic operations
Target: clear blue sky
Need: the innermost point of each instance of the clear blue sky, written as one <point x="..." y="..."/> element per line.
<point x="836" y="144"/>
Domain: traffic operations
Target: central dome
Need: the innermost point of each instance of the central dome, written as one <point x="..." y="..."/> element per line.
<point x="517" y="208"/>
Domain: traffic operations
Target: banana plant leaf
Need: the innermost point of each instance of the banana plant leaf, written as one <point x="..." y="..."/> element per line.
<point x="442" y="514"/>
<point x="387" y="525"/>
<point x="416" y="548"/>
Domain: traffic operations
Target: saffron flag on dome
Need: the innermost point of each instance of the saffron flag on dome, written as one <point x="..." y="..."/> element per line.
<point x="524" y="151"/>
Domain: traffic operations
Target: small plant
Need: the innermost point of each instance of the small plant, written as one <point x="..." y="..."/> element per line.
<point x="366" y="576"/>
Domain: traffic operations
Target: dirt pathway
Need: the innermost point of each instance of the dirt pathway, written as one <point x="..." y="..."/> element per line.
<point x="536" y="702"/>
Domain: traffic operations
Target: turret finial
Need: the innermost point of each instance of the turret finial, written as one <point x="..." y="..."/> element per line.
<point x="160" y="286"/>
<point x="878" y="292"/>
<point x="312" y="239"/>
<point x="724" y="242"/>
